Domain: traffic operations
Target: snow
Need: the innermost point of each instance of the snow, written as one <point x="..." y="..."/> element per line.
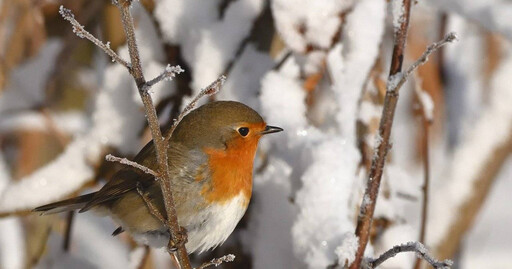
<point x="116" y="121"/>
<point x="206" y="52"/>
<point x="322" y="221"/>
<point x="397" y="10"/>
<point x="346" y="252"/>
<point x="302" y="23"/>
<point x="349" y="67"/>
<point x="26" y="87"/>
<point x="12" y="239"/>
<point x="488" y="243"/>
<point x="492" y="14"/>
<point x="68" y="122"/>
<point x="308" y="180"/>
<point x="490" y="131"/>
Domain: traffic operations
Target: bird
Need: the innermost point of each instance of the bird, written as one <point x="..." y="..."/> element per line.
<point x="210" y="155"/>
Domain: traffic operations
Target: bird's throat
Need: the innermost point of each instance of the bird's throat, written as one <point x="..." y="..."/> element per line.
<point x="231" y="172"/>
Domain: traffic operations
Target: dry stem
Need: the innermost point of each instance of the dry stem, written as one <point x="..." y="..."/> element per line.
<point x="426" y="122"/>
<point x="217" y="261"/>
<point x="395" y="81"/>
<point x="417" y="247"/>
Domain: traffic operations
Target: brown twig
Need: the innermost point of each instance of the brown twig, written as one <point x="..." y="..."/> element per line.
<point x="152" y="208"/>
<point x="365" y="217"/>
<point x="79" y="30"/>
<point x="135" y="69"/>
<point x="209" y="90"/>
<point x="217" y="261"/>
<point x="67" y="235"/>
<point x="160" y="145"/>
<point x="147" y="170"/>
<point x="426" y="119"/>
<point x="417" y="247"/>
<point x="395" y="81"/>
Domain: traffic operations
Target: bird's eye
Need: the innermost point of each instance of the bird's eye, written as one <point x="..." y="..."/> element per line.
<point x="244" y="131"/>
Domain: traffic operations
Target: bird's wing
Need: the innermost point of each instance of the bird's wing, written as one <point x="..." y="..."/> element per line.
<point x="127" y="179"/>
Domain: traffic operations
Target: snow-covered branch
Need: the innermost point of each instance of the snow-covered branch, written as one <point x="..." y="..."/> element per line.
<point x="416" y="247"/>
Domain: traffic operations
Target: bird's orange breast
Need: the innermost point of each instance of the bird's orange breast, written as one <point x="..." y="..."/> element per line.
<point x="231" y="171"/>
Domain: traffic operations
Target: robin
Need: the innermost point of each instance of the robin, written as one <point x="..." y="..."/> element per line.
<point x="211" y="155"/>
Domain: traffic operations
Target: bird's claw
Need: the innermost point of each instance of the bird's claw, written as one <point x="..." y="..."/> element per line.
<point x="180" y="240"/>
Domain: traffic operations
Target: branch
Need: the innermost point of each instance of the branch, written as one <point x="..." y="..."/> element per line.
<point x="426" y="120"/>
<point x="396" y="80"/>
<point x="209" y="90"/>
<point x="382" y="145"/>
<point x="147" y="170"/>
<point x="79" y="30"/>
<point x="135" y="69"/>
<point x="168" y="74"/>
<point x="217" y="261"/>
<point x="417" y="247"/>
<point x="152" y="208"/>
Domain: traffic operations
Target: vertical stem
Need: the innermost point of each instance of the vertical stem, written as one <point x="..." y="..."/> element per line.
<point x="67" y="235"/>
<point x="158" y="140"/>
<point x="426" y="182"/>
<point x="367" y="209"/>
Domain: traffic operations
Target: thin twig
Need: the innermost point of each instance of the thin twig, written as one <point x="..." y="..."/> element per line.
<point x="417" y="247"/>
<point x="211" y="89"/>
<point x="152" y="208"/>
<point x="217" y="261"/>
<point x="67" y="234"/>
<point x="147" y="170"/>
<point x="168" y="74"/>
<point x="426" y="120"/>
<point x="396" y="80"/>
<point x="79" y="30"/>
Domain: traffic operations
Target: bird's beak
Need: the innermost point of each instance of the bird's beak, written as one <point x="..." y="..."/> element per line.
<point x="271" y="129"/>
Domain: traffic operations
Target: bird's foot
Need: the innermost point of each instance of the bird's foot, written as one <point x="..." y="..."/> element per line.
<point x="180" y="240"/>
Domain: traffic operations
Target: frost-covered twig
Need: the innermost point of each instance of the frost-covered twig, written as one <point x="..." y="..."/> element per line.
<point x="79" y="30"/>
<point x="417" y="247"/>
<point x="147" y="170"/>
<point x="367" y="208"/>
<point x="217" y="261"/>
<point x="168" y="74"/>
<point x="135" y="69"/>
<point x="396" y="81"/>
<point x="209" y="90"/>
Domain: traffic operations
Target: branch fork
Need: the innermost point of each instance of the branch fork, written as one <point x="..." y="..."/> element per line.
<point x="177" y="234"/>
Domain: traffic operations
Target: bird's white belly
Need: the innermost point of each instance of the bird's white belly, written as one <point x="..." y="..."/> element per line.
<point x="214" y="225"/>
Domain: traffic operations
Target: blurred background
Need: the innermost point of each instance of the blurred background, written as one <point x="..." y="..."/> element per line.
<point x="316" y="68"/>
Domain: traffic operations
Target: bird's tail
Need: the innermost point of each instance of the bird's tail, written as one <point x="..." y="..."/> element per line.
<point x="65" y="205"/>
